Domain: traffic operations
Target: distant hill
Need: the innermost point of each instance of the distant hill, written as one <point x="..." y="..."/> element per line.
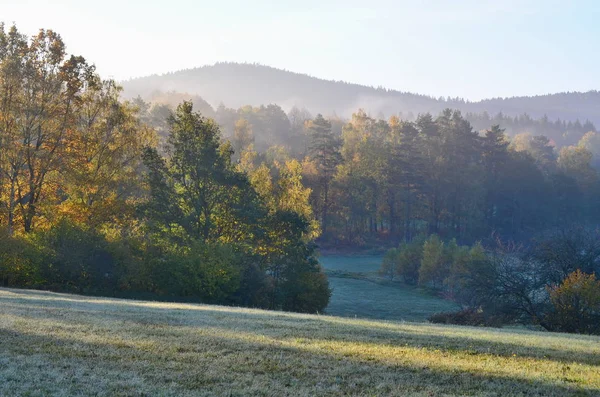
<point x="236" y="85"/>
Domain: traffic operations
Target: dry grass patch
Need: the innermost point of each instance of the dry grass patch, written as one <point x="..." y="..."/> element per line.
<point x="56" y="344"/>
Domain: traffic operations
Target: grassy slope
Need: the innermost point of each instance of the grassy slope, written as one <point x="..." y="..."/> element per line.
<point x="55" y="343"/>
<point x="357" y="291"/>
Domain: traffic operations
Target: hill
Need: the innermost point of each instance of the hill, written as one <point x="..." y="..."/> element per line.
<point x="58" y="344"/>
<point x="237" y="85"/>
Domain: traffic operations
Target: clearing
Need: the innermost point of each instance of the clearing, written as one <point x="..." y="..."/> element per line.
<point x="59" y="344"/>
<point x="359" y="292"/>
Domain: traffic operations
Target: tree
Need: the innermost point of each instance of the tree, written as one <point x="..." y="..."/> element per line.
<point x="293" y="196"/>
<point x="299" y="283"/>
<point x="591" y="142"/>
<point x="325" y="152"/>
<point x="409" y="261"/>
<point x="404" y="172"/>
<point x="242" y="135"/>
<point x="206" y="183"/>
<point x="433" y="264"/>
<point x="543" y="152"/>
<point x="43" y="89"/>
<point x="561" y="252"/>
<point x="104" y="157"/>
<point x="389" y="264"/>
<point x="576" y="162"/>
<point x="494" y="156"/>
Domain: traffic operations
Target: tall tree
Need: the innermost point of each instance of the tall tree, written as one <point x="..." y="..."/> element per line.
<point x="214" y="200"/>
<point x="44" y="86"/>
<point x="325" y="152"/>
<point x="243" y="136"/>
<point x="494" y="156"/>
<point x="104" y="156"/>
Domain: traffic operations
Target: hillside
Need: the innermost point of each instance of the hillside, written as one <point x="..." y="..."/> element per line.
<point x="57" y="344"/>
<point x="237" y="85"/>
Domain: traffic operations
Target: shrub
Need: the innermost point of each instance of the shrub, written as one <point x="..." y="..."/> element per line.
<point x="390" y="263"/>
<point x="308" y="293"/>
<point x="409" y="260"/>
<point x="575" y="304"/>
<point x="77" y="259"/>
<point x="201" y="271"/>
<point x="303" y="286"/>
<point x="256" y="287"/>
<point x="434" y="267"/>
<point x="20" y="261"/>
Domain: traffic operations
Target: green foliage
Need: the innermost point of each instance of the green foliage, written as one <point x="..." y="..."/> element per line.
<point x="20" y="261"/>
<point x="409" y="260"/>
<point x="389" y="264"/>
<point x="299" y="283"/>
<point x="219" y="227"/>
<point x="305" y="288"/>
<point x="209" y="272"/>
<point x="77" y="259"/>
<point x="434" y="264"/>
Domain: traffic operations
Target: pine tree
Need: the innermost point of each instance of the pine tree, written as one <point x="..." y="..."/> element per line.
<point x="325" y="152"/>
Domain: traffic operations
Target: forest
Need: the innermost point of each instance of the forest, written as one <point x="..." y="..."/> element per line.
<point x="166" y="197"/>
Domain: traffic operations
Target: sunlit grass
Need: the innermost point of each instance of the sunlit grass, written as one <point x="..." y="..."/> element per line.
<point x="55" y="344"/>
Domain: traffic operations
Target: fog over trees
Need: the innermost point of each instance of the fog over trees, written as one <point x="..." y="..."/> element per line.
<point x="237" y="85"/>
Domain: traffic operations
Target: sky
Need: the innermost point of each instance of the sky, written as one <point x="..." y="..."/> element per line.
<point x="472" y="49"/>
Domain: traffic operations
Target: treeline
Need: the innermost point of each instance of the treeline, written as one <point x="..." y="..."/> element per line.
<point x="560" y="132"/>
<point x="392" y="180"/>
<point x="270" y="127"/>
<point x="549" y="283"/>
<point x="91" y="203"/>
<point x="388" y="180"/>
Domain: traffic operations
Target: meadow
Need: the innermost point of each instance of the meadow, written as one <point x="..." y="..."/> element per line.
<point x="59" y="344"/>
<point x="359" y="292"/>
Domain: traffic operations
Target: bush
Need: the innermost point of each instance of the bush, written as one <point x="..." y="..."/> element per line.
<point x="390" y="263"/>
<point x="256" y="287"/>
<point x="20" y="262"/>
<point x="434" y="265"/>
<point x="201" y="271"/>
<point x="308" y="293"/>
<point x="77" y="259"/>
<point x="575" y="304"/>
<point x="409" y="260"/>
<point x="303" y="286"/>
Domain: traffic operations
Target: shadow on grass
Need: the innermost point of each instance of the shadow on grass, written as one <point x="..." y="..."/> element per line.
<point x="285" y="325"/>
<point x="275" y="367"/>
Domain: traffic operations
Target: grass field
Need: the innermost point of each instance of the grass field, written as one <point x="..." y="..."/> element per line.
<point x="56" y="344"/>
<point x="359" y="292"/>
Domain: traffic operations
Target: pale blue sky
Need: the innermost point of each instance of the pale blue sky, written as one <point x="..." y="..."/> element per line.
<point x="468" y="48"/>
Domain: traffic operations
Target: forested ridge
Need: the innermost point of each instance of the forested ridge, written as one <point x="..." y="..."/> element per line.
<point x="237" y="85"/>
<point x="168" y="197"/>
